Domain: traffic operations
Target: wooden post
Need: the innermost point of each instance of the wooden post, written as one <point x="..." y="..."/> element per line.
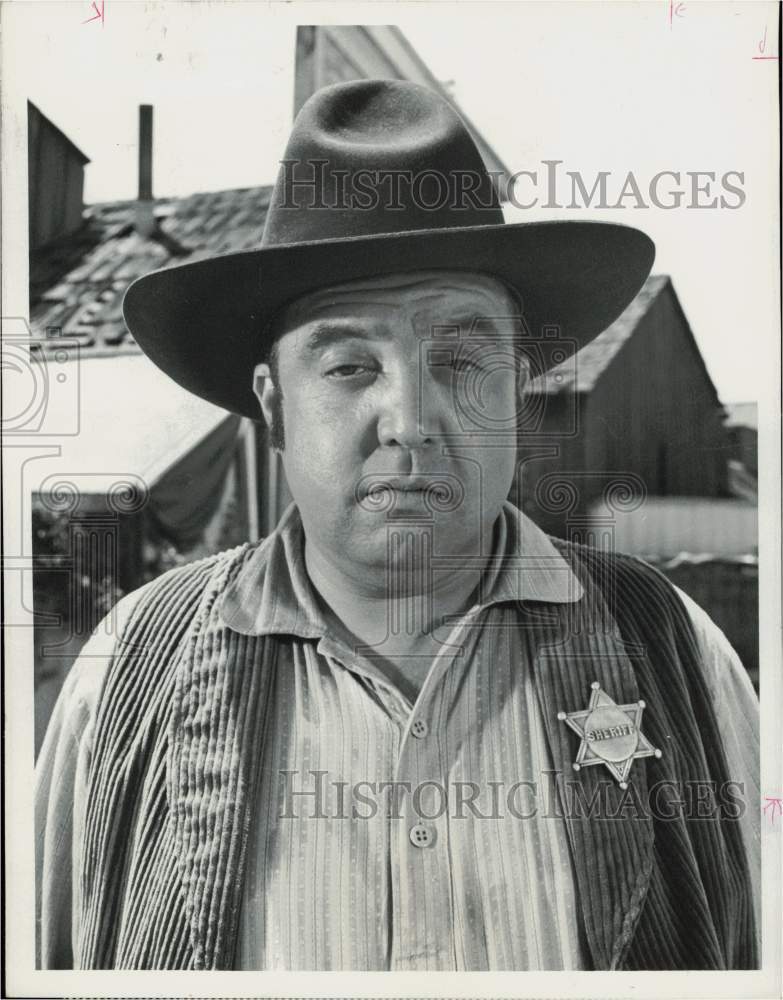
<point x="250" y="478"/>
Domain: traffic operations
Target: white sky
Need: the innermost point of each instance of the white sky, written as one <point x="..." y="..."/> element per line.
<point x="600" y="86"/>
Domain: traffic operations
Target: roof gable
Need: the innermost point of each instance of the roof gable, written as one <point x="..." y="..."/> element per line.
<point x="596" y="358"/>
<point x="33" y="112"/>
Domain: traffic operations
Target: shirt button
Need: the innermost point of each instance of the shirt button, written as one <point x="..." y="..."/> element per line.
<point x="422" y="836"/>
<point x="420" y="729"/>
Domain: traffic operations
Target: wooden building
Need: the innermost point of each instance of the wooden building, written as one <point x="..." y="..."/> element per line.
<point x="634" y="414"/>
<point x="337" y="53"/>
<point x="55" y="180"/>
<point x="626" y="447"/>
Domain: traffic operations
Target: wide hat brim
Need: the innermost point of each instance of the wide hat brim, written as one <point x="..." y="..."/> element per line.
<point x="206" y="323"/>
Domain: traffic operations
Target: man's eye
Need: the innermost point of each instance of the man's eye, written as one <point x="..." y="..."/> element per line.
<point x="347" y="371"/>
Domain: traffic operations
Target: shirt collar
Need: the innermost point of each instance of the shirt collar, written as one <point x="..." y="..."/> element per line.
<point x="273" y="595"/>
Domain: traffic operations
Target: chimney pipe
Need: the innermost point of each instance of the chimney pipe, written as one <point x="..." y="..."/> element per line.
<point x="145" y="221"/>
<point x="145" y="152"/>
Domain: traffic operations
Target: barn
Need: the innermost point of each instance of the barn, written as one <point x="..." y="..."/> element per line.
<point x="626" y="446"/>
<point x="633" y="414"/>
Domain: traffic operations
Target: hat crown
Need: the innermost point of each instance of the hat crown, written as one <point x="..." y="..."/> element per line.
<point x="372" y="158"/>
<point x="375" y="157"/>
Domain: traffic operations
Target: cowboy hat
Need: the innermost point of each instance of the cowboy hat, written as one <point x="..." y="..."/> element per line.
<point x="379" y="176"/>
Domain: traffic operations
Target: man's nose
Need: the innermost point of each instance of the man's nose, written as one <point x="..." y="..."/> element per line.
<point x="405" y="419"/>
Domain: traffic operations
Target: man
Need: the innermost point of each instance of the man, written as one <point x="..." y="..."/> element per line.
<point x="408" y="730"/>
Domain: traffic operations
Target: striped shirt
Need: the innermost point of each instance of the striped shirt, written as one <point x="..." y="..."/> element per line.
<point x="389" y="835"/>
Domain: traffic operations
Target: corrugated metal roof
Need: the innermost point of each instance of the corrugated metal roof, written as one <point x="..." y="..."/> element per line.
<point x="742" y="415"/>
<point x="664" y="527"/>
<point x="77" y="283"/>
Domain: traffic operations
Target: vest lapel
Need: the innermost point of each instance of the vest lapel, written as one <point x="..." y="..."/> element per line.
<point x="612" y="840"/>
<point x="216" y="736"/>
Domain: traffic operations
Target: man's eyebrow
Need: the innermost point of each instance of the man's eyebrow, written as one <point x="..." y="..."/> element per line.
<point x="327" y="333"/>
<point x="468" y="320"/>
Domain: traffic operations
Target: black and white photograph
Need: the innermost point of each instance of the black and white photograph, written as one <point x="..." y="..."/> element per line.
<point x="391" y="498"/>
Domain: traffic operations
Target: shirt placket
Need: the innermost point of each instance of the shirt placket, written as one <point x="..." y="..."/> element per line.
<point x="421" y="869"/>
<point x="422" y="905"/>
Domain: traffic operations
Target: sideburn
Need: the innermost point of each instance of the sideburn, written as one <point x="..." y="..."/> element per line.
<point x="276" y="427"/>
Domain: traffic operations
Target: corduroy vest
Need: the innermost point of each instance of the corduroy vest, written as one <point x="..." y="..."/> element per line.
<point x="178" y="745"/>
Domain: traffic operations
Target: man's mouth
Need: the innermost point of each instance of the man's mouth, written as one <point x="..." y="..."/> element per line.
<point x="439" y="492"/>
<point x="401" y="484"/>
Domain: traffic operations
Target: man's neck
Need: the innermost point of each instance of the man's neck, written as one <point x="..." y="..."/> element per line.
<point x="401" y="619"/>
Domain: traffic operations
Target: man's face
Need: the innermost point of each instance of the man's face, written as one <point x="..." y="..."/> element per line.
<point x="398" y="397"/>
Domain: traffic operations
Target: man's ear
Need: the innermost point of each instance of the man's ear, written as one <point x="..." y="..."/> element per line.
<point x="265" y="391"/>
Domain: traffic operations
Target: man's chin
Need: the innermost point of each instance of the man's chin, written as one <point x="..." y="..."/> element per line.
<point x="408" y="544"/>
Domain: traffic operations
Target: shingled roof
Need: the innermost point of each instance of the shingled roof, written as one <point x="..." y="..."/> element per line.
<point x="77" y="283"/>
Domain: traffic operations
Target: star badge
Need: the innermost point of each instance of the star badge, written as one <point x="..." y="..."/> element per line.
<point x="611" y="734"/>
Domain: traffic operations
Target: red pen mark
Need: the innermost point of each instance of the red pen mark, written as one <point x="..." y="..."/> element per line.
<point x="762" y="45"/>
<point x="775" y="807"/>
<point x="675" y="10"/>
<point x="97" y="6"/>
